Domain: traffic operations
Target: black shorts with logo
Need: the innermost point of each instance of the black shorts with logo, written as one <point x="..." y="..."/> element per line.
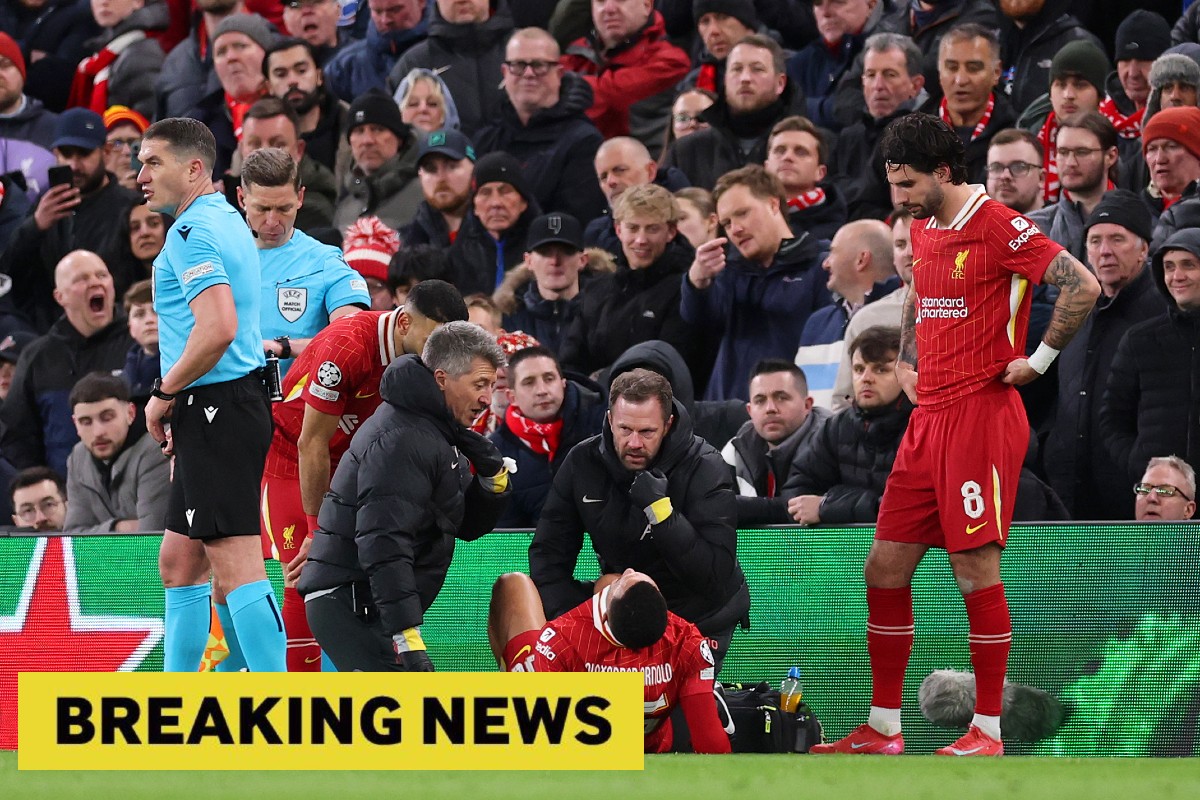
<point x="221" y="434"/>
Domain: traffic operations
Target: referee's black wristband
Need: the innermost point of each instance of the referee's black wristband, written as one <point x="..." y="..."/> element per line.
<point x="285" y="347"/>
<point x="156" y="391"/>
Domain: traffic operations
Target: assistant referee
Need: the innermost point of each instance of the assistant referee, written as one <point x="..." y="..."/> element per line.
<point x="210" y="407"/>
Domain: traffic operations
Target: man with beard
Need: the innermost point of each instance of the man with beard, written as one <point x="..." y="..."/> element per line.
<point x="445" y="167"/>
<point x="292" y="67"/>
<point x="39" y="499"/>
<point x="84" y="214"/>
<point x="21" y="116"/>
<point x="1014" y="170"/>
<point x="1087" y="153"/>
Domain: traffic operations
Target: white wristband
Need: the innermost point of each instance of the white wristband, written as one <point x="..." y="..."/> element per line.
<point x="1042" y="358"/>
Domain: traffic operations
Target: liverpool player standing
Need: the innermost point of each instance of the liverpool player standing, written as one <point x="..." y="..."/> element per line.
<point x="955" y="475"/>
<point x="331" y="389"/>
<point x="623" y="627"/>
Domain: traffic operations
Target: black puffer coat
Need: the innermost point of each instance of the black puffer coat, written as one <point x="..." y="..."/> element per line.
<point x="399" y="498"/>
<point x="849" y="460"/>
<point x="692" y="555"/>
<point x="1152" y="402"/>
<point x="556" y="150"/>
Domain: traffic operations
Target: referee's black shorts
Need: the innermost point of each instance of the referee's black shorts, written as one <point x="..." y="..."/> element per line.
<point x="221" y="433"/>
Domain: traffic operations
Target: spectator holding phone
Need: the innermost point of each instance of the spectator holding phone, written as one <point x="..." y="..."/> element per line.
<point x="82" y="210"/>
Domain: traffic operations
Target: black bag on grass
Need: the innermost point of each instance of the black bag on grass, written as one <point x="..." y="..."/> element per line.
<point x="760" y="725"/>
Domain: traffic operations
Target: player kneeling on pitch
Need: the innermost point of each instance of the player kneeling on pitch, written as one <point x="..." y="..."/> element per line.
<point x="624" y="627"/>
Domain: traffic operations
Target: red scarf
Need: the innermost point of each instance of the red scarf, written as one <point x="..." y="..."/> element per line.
<point x="237" y="113"/>
<point x="89" y="87"/>
<point x="813" y="197"/>
<point x="540" y="437"/>
<point x="1048" y="136"/>
<point x="1128" y="127"/>
<point x="707" y="78"/>
<point x="944" y="111"/>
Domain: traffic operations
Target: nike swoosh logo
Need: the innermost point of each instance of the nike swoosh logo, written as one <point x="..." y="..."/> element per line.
<point x="958" y="752"/>
<point x="523" y="651"/>
<point x="587" y="499"/>
<point x="360" y="396"/>
<point x="859" y="745"/>
<point x="312" y="660"/>
<point x="972" y="528"/>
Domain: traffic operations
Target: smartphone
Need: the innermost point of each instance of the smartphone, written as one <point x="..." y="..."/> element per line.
<point x="60" y="175"/>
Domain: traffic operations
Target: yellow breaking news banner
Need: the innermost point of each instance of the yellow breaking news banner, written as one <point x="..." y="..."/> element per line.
<point x="235" y="721"/>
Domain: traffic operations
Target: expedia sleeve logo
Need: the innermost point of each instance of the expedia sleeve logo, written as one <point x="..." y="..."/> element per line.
<point x="1027" y="230"/>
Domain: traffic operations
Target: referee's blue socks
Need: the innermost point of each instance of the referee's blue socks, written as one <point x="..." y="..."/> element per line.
<point x="235" y="661"/>
<point x="186" y="626"/>
<point x="259" y="626"/>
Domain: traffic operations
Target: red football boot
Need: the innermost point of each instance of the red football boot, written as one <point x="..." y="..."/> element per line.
<point x="864" y="740"/>
<point x="974" y="743"/>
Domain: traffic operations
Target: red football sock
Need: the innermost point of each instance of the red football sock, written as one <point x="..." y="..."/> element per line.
<point x="889" y="642"/>
<point x="990" y="640"/>
<point x="303" y="652"/>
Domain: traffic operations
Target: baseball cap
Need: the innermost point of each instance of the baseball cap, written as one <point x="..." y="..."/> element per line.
<point x="554" y="229"/>
<point x="80" y="127"/>
<point x="449" y="143"/>
<point x="12" y="345"/>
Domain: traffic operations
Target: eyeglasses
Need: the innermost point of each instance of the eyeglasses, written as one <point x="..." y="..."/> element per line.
<point x="540" y="68"/>
<point x="1017" y="168"/>
<point x="1162" y="490"/>
<point x="687" y="119"/>
<point x="1077" y="153"/>
<point x="133" y="143"/>
<point x="47" y="507"/>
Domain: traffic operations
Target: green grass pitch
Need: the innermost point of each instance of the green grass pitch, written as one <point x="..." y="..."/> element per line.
<point x="744" y="776"/>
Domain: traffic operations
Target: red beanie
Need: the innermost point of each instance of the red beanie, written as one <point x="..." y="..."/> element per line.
<point x="1179" y="124"/>
<point x="12" y="51"/>
<point x="368" y="247"/>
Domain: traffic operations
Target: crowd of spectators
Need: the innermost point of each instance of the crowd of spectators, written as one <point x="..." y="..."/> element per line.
<point x="688" y="186"/>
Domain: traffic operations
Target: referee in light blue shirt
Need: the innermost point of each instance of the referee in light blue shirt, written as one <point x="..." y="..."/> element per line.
<point x="305" y="284"/>
<point x="210" y="408"/>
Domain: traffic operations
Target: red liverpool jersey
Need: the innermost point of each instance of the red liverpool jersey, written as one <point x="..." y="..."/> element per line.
<point x="338" y="374"/>
<point x="972" y="282"/>
<point x="676" y="666"/>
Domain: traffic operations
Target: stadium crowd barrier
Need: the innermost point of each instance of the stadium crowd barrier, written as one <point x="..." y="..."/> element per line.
<point x="1105" y="617"/>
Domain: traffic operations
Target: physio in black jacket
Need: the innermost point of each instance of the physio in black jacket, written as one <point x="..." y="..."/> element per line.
<point x="654" y="498"/>
<point x="400" y="497"/>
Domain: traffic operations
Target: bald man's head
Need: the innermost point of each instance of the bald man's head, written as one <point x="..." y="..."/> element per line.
<point x="622" y="163"/>
<point x="83" y="286"/>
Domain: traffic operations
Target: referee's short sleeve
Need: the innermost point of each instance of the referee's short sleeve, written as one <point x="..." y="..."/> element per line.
<point x="198" y="260"/>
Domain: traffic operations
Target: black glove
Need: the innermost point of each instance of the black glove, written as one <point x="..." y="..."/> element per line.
<point x="649" y="490"/>
<point x="480" y="451"/>
<point x="410" y="651"/>
<point x="415" y="661"/>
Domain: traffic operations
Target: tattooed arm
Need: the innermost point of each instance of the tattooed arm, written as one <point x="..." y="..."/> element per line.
<point x="906" y="360"/>
<point x="1078" y="290"/>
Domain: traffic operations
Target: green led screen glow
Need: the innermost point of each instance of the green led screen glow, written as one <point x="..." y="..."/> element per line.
<point x="1105" y="617"/>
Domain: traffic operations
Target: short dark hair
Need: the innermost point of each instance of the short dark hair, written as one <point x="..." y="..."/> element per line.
<point x="755" y="178"/>
<point x="287" y="44"/>
<point x="437" y="301"/>
<point x="770" y="366"/>
<point x="638" y="386"/>
<point x="139" y="293"/>
<point x="803" y="125"/>
<point x="1099" y="126"/>
<point x="763" y="42"/>
<point x="1016" y="135"/>
<point x="877" y="344"/>
<point x="185" y="137"/>
<point x="96" y="387"/>
<point x="526" y="353"/>
<point x="270" y="106"/>
<point x="32" y="476"/>
<point x="411" y="265"/>
<point x="638" y="617"/>
<point x="925" y="143"/>
<point x="270" y="167"/>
